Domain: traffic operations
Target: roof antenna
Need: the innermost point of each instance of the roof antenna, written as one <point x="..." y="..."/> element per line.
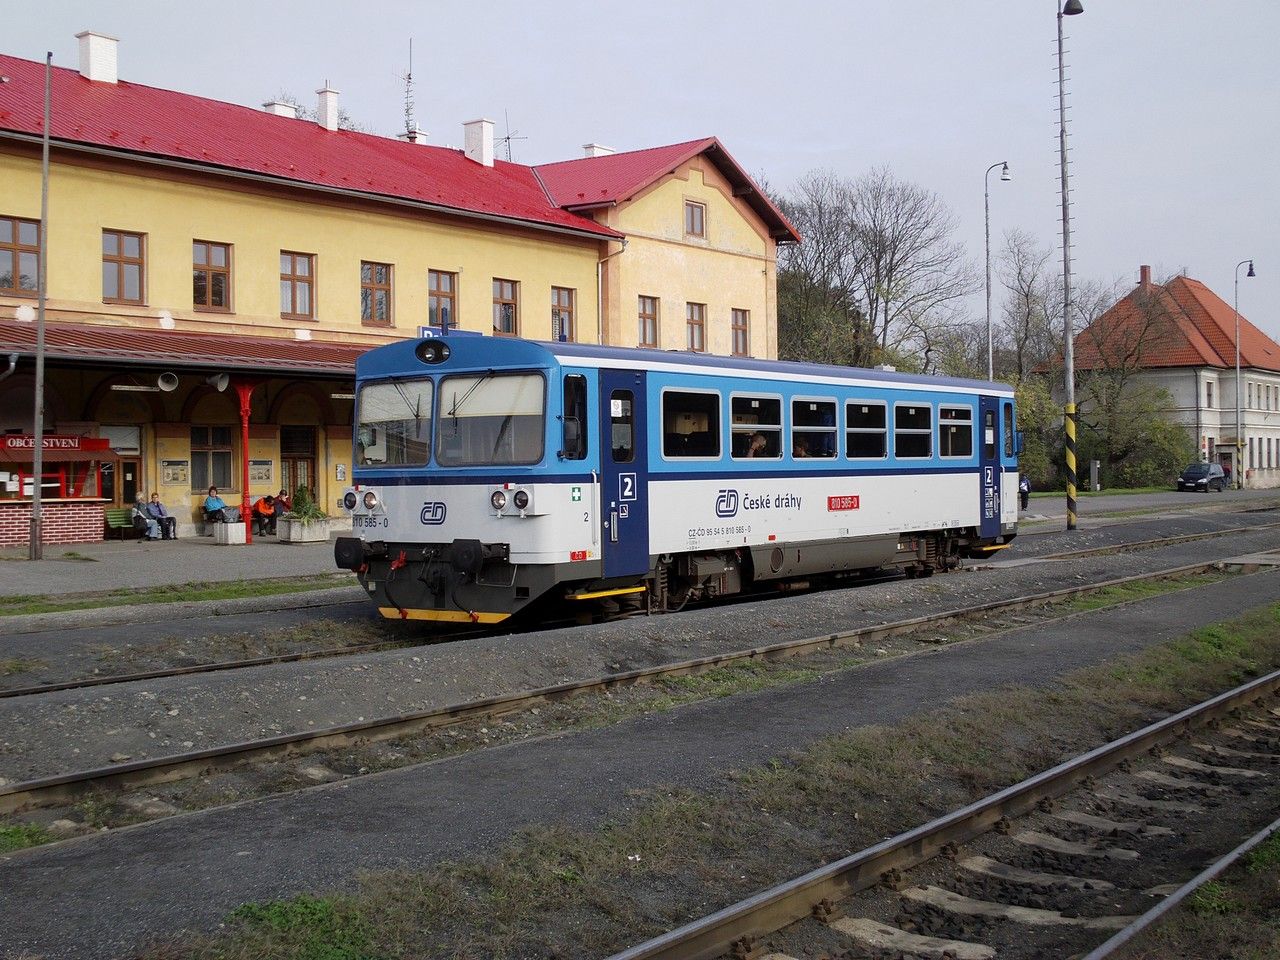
<point x="409" y="125"/>
<point x="511" y="135"/>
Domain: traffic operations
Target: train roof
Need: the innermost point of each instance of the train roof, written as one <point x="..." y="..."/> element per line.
<point x="482" y="351"/>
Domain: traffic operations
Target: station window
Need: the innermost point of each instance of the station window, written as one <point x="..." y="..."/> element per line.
<point x="211" y="275"/>
<point x="297" y="283"/>
<point x="865" y="431"/>
<point x="740" y="326"/>
<point x="696" y="326"/>
<point x="648" y="316"/>
<point x="695" y="219"/>
<point x="210" y="458"/>
<point x="813" y="428"/>
<point x="955" y="432"/>
<point x="123" y="267"/>
<point x="562" y="326"/>
<point x="912" y="431"/>
<point x="19" y="256"/>
<point x="690" y="424"/>
<point x="506" y="315"/>
<point x="756" y="425"/>
<point x="375" y="294"/>
<point x="442" y="292"/>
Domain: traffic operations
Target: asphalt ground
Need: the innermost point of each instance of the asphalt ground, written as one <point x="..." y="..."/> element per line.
<point x="106" y="895"/>
<point x="67" y="730"/>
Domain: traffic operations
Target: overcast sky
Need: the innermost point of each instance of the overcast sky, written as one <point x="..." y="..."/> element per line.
<point x="1175" y="104"/>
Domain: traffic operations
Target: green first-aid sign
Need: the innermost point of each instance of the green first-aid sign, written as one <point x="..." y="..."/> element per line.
<point x="575" y="494"/>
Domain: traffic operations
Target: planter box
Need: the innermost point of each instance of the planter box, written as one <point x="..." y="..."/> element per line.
<point x="228" y="533"/>
<point x="302" y="531"/>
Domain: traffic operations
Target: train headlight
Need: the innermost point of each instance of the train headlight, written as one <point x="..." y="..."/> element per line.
<point x="497" y="499"/>
<point x="521" y="499"/>
<point x="350" y="500"/>
<point x="370" y="500"/>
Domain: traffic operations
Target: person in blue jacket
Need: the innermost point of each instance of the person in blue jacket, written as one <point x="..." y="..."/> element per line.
<point x="215" y="508"/>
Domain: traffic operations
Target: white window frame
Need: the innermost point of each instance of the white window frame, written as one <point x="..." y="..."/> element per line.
<point x="973" y="431"/>
<point x="780" y="428"/>
<point x="833" y="430"/>
<point x="913" y="431"/>
<point x="718" y="426"/>
<point x="884" y="405"/>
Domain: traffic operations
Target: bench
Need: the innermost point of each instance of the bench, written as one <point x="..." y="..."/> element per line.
<point x="119" y="518"/>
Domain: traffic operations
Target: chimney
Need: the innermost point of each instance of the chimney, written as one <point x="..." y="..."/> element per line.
<point x="281" y="109"/>
<point x="596" y="150"/>
<point x="1144" y="276"/>
<point x="477" y="141"/>
<point x="97" y="56"/>
<point x="327" y="109"/>
<point x="416" y="135"/>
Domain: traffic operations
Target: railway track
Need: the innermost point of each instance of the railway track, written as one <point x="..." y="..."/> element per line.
<point x="374" y="646"/>
<point x="72" y="786"/>
<point x="1074" y="856"/>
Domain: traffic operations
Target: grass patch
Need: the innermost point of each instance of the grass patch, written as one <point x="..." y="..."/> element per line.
<point x="1137" y="590"/>
<point x="675" y="854"/>
<point x="170" y="593"/>
<point x="21" y="835"/>
<point x="11" y="666"/>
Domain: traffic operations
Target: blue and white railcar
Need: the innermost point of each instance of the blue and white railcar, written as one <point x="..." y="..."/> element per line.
<point x="493" y="474"/>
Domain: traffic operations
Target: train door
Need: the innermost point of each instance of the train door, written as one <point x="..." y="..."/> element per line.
<point x="989" y="467"/>
<point x="624" y="479"/>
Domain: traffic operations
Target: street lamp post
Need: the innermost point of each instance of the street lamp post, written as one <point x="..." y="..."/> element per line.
<point x="1239" y="431"/>
<point x="986" y="206"/>
<point x="1069" y="9"/>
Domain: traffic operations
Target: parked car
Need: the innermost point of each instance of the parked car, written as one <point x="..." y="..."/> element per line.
<point x="1202" y="476"/>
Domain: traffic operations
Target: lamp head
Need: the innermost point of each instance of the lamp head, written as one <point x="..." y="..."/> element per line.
<point x="1004" y="172"/>
<point x="1072" y="7"/>
<point x="1250" y="273"/>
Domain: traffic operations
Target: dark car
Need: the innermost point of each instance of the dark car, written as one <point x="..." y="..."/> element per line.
<point x="1202" y="476"/>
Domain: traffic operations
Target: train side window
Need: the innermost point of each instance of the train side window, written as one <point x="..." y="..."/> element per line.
<point x="755" y="427"/>
<point x="622" y="426"/>
<point x="575" y="416"/>
<point x="813" y="428"/>
<point x="955" y="432"/>
<point x="866" y="431"/>
<point x="1008" y="429"/>
<point x="690" y="424"/>
<point x="912" y="431"/>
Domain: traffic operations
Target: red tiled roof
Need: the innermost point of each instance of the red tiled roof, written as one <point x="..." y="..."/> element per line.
<point x="164" y="349"/>
<point x="597" y="181"/>
<point x="1178" y="324"/>
<point x="150" y="122"/>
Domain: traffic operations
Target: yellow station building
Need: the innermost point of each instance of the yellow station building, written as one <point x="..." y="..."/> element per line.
<point x="201" y="253"/>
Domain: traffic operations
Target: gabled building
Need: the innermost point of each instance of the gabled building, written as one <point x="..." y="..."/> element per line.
<point x="1181" y="336"/>
<point x="190" y="238"/>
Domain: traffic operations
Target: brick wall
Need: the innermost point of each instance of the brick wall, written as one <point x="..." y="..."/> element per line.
<point x="63" y="523"/>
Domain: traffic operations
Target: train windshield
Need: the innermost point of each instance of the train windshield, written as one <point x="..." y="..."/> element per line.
<point x="493" y="418"/>
<point x="395" y="423"/>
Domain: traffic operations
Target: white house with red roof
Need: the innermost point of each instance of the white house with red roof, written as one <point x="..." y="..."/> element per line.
<point x="189" y="238"/>
<point x="1181" y="336"/>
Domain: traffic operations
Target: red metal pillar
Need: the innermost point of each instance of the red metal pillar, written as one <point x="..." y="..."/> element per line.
<point x="244" y="389"/>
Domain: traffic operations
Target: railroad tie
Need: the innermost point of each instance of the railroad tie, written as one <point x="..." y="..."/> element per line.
<point x="1229" y="753"/>
<point x="1031" y="916"/>
<point x="987" y="867"/>
<point x="1270" y="728"/>
<point x="1179" y="783"/>
<point x="1069" y="848"/>
<point x="1137" y="800"/>
<point x="1194" y="766"/>
<point x="1237" y="734"/>
<point x="881" y="936"/>
<point x="1103" y="825"/>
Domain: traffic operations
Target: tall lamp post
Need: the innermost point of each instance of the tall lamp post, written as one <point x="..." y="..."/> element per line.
<point x="986" y="206"/>
<point x="1239" y="432"/>
<point x="1069" y="9"/>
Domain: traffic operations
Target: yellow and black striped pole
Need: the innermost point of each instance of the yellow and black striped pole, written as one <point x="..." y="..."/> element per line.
<point x="1069" y="420"/>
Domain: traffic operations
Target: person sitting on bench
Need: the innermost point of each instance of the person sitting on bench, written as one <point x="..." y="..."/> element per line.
<point x="215" y="508"/>
<point x="168" y="524"/>
<point x="264" y="515"/>
<point x="146" y="525"/>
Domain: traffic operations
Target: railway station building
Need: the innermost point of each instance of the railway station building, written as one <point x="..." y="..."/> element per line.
<point x="213" y="271"/>
<point x="1181" y="336"/>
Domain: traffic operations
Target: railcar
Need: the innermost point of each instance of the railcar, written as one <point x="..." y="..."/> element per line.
<point x="493" y="476"/>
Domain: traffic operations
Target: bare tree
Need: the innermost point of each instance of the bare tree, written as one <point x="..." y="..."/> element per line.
<point x="1027" y="327"/>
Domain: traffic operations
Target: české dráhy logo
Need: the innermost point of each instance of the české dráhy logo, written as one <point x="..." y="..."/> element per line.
<point x="433" y="512"/>
<point x="727" y="503"/>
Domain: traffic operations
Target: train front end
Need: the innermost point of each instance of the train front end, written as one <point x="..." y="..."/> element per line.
<point x="459" y="503"/>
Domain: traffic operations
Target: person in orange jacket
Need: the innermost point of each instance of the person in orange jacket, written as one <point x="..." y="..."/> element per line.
<point x="264" y="515"/>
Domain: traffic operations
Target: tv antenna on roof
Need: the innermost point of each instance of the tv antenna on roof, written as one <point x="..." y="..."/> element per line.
<point x="511" y="135"/>
<point x="409" y="125"/>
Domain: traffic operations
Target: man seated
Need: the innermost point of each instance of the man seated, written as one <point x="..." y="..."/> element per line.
<point x="168" y="524"/>
<point x="264" y="515"/>
<point x="146" y="525"/>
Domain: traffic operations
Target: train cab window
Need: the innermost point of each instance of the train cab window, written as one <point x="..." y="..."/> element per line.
<point x="755" y="427"/>
<point x="1008" y="429"/>
<point x="690" y="424"/>
<point x="866" y="431"/>
<point x="622" y="425"/>
<point x="491" y="418"/>
<point x="813" y="428"/>
<point x="394" y="425"/>
<point x="575" y="417"/>
<point x="912" y="431"/>
<point x="955" y="432"/>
